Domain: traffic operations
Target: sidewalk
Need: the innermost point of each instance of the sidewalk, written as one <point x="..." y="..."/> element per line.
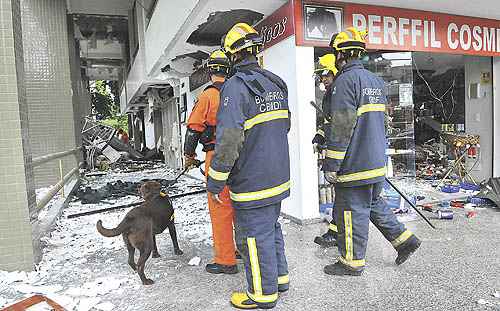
<point x="457" y="267"/>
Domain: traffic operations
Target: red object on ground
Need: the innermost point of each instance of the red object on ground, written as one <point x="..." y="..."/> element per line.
<point x="31" y="301"/>
<point x="457" y="204"/>
<point x="427" y="207"/>
<point x="471" y="214"/>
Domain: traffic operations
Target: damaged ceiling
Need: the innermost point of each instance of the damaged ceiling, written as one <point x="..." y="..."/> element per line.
<point x="218" y="24"/>
<point x="101" y="40"/>
<point x="208" y="22"/>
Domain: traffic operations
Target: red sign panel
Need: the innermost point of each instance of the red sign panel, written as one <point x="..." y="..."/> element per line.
<point x="411" y="30"/>
<point x="400" y="29"/>
<point x="277" y="26"/>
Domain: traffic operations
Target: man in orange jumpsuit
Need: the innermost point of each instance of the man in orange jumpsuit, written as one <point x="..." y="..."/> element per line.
<point x="201" y="128"/>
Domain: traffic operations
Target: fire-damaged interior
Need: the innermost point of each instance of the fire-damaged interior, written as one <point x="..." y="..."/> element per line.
<point x="435" y="111"/>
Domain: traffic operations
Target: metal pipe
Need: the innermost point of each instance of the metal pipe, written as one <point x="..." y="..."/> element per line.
<point x="55" y="189"/>
<point x="409" y="202"/>
<point x="46" y="158"/>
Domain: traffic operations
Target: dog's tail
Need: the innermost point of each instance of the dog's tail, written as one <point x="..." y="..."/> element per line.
<point x="122" y="227"/>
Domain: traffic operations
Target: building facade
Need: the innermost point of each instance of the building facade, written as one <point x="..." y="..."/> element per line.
<point x="438" y="39"/>
<point x="44" y="84"/>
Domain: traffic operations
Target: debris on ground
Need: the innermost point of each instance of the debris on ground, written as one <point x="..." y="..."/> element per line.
<point x="35" y="303"/>
<point x="482" y="302"/>
<point x="195" y="261"/>
<point x="81" y="270"/>
<point x="471" y="214"/>
<point x="491" y="191"/>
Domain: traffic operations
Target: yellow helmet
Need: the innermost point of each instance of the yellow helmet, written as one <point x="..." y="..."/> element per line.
<point x="349" y="39"/>
<point x="240" y="37"/>
<point x="326" y="63"/>
<point x="218" y="62"/>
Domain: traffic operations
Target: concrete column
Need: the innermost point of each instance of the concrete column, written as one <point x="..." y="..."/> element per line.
<point x="479" y="114"/>
<point x="295" y="65"/>
<point x="17" y="195"/>
<point x="496" y="116"/>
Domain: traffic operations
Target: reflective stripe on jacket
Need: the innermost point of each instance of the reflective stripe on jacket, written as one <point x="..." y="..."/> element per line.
<point x="356" y="140"/>
<point x="254" y="108"/>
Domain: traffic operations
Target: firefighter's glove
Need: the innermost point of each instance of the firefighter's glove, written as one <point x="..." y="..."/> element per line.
<point x="215" y="197"/>
<point x="331" y="177"/>
<point x="190" y="162"/>
<point x="318" y="139"/>
<point x="318" y="143"/>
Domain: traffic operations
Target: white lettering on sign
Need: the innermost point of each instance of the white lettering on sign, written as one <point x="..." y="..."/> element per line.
<point x="402" y="30"/>
<point x="476" y="33"/>
<point x="489" y="39"/>
<point x="397" y="32"/>
<point x="374" y="35"/>
<point x="434" y="42"/>
<point x="390" y="27"/>
<point x="452" y="41"/>
<point x="426" y="34"/>
<point x="271" y="32"/>
<point x="414" y="32"/>
<point x="465" y="32"/>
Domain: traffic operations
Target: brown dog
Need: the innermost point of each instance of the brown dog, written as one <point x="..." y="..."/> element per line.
<point x="142" y="223"/>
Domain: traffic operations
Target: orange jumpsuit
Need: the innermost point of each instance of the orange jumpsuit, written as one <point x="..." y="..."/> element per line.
<point x="205" y="113"/>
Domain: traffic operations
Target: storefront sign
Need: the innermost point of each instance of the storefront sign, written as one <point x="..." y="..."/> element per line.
<point x="411" y="30"/>
<point x="398" y="29"/>
<point x="277" y="26"/>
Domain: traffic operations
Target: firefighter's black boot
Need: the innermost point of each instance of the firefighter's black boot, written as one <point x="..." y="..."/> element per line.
<point x="406" y="249"/>
<point x="329" y="239"/>
<point x="340" y="269"/>
<point x="216" y="268"/>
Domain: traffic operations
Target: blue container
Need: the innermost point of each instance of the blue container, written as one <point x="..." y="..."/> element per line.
<point x="469" y="186"/>
<point x="323" y="207"/>
<point x="445" y="204"/>
<point x="450" y="189"/>
<point x="479" y="201"/>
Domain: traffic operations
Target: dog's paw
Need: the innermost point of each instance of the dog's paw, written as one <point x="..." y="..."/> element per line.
<point x="156" y="255"/>
<point x="148" y="282"/>
<point x="178" y="252"/>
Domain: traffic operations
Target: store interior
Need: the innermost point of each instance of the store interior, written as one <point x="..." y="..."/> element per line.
<point x="439" y="120"/>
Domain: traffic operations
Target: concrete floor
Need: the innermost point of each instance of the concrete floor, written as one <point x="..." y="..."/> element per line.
<point x="457" y="265"/>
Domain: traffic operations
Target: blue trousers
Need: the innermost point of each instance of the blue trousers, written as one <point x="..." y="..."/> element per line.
<point x="355" y="207"/>
<point x="260" y="242"/>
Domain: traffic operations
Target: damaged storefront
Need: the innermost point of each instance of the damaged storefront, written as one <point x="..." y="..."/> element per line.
<point x="440" y="72"/>
<point x="440" y="69"/>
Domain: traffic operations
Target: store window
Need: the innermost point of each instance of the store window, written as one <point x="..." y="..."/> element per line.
<point x="453" y="117"/>
<point x="439" y="90"/>
<point x="395" y="69"/>
<point x="439" y="117"/>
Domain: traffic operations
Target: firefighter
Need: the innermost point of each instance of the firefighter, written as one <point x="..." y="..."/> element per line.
<point x="251" y="156"/>
<point x="201" y="128"/>
<point x="355" y="159"/>
<point x="325" y="73"/>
